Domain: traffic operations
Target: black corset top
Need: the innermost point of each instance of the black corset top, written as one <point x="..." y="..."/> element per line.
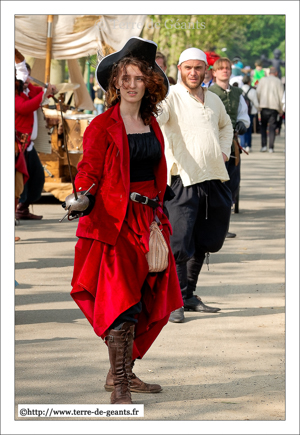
<point x="145" y="153"/>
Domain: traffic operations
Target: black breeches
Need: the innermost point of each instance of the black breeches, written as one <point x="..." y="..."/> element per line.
<point x="199" y="215"/>
<point x="127" y="316"/>
<point x="268" y="118"/>
<point x="34" y="186"/>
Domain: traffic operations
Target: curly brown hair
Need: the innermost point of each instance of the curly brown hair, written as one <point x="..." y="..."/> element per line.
<point x="154" y="82"/>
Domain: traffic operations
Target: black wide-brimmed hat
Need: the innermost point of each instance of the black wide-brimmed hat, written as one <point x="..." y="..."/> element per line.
<point x="134" y="47"/>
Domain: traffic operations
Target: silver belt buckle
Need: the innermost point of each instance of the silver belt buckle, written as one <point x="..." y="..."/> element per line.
<point x="133" y="196"/>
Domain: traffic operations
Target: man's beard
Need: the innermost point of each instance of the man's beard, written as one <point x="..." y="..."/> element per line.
<point x="193" y="86"/>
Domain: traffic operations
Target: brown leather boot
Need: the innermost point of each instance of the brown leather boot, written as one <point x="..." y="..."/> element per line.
<point x="119" y="343"/>
<point x="136" y="384"/>
<point x="23" y="212"/>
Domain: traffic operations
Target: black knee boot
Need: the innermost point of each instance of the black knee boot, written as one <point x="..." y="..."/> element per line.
<point x="194" y="266"/>
<point x="194" y="303"/>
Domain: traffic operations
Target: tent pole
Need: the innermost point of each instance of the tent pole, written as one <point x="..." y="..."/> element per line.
<point x="49" y="46"/>
<point x="88" y="85"/>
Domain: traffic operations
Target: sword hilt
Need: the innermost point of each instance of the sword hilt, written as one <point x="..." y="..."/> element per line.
<point x="68" y="210"/>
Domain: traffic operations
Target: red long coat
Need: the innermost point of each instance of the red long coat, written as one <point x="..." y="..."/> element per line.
<point x="110" y="267"/>
<point x="106" y="163"/>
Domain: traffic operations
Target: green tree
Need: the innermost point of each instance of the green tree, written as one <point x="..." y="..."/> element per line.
<point x="248" y="36"/>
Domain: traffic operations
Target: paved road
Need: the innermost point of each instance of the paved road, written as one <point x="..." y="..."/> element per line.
<point x="224" y="367"/>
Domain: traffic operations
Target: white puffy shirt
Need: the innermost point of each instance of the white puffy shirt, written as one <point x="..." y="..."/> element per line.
<point x="195" y="136"/>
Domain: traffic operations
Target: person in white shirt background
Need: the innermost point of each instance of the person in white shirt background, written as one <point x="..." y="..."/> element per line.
<point x="208" y="78"/>
<point x="270" y="96"/>
<point x="198" y="136"/>
<point x="250" y="93"/>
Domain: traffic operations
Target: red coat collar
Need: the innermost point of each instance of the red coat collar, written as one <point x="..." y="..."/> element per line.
<point x="116" y="115"/>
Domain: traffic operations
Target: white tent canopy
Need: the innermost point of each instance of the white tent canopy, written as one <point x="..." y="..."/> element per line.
<point x="73" y="37"/>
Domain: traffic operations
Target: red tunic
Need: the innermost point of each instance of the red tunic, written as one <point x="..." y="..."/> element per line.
<point x="25" y="106"/>
<point x="110" y="270"/>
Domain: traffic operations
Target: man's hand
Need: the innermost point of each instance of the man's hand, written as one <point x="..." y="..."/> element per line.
<point x="240" y="128"/>
<point x="225" y="158"/>
<point x="51" y="90"/>
<point x="19" y="58"/>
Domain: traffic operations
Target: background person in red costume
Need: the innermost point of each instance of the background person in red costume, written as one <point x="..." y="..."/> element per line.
<point x="21" y="173"/>
<point x="27" y="101"/>
<point x="208" y="80"/>
<point x="124" y="153"/>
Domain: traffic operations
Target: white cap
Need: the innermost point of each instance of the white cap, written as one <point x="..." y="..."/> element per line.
<point x="191" y="54"/>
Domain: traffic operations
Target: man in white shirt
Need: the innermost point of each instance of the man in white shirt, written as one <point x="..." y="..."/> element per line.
<point x="198" y="136"/>
<point x="269" y="94"/>
<point x="249" y="94"/>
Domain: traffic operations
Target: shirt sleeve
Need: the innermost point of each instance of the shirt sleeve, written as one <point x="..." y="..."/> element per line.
<point x="283" y="101"/>
<point x="164" y="116"/>
<point x="258" y="90"/>
<point x="23" y="107"/>
<point x="242" y="114"/>
<point x="281" y="93"/>
<point x="253" y="98"/>
<point x="225" y="131"/>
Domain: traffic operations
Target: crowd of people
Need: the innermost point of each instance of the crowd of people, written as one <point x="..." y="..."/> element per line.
<point x="161" y="153"/>
<point x="266" y="109"/>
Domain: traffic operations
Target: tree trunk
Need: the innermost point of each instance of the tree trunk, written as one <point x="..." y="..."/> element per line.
<point x="82" y="63"/>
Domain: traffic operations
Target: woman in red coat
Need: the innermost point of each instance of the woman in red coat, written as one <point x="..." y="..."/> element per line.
<point x="124" y="153"/>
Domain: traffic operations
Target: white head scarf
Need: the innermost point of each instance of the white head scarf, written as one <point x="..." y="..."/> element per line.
<point x="21" y="71"/>
<point x="191" y="54"/>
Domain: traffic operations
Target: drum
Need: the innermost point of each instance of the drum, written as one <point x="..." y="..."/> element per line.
<point x="75" y="125"/>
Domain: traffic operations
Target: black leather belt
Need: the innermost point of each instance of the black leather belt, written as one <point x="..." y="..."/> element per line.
<point x="136" y="197"/>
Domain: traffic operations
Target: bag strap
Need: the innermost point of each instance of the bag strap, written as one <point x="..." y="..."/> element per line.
<point x="248" y="91"/>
